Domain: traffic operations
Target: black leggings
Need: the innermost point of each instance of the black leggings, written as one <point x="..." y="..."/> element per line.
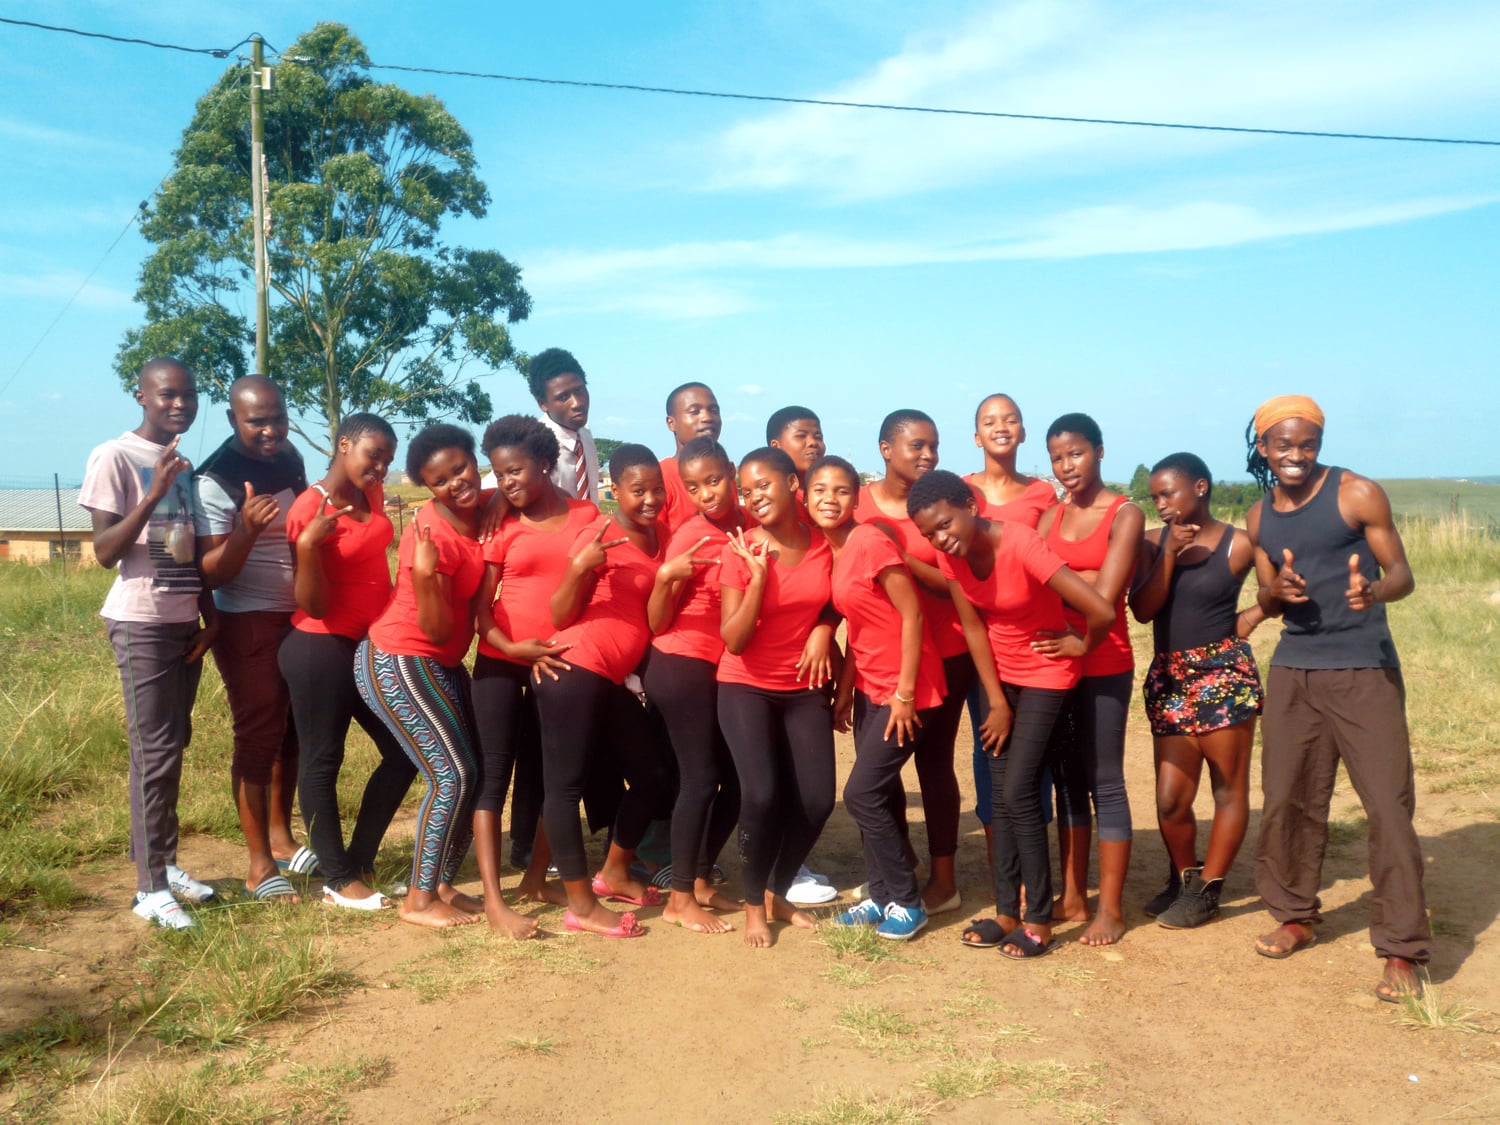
<point x="1089" y="756"/>
<point x="319" y="673"/>
<point x="685" y="692"/>
<point x="585" y="719"/>
<point x="877" y="767"/>
<point x="782" y="744"/>
<point x="934" y="757"/>
<point x="509" y="741"/>
<point x="1021" y="856"/>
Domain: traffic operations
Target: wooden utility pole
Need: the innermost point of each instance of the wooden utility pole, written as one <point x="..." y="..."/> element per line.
<point x="260" y="79"/>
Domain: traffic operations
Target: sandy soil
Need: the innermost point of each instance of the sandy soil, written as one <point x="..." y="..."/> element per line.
<point x="1166" y="1026"/>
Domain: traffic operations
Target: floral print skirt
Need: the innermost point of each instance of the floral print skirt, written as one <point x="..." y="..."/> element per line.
<point x="1200" y="690"/>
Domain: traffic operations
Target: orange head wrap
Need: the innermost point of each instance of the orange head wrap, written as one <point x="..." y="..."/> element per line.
<point x="1282" y="407"/>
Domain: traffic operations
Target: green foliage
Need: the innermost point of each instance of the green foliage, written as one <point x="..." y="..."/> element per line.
<point x="606" y="448"/>
<point x="1139" y="488"/>
<point x="369" y="310"/>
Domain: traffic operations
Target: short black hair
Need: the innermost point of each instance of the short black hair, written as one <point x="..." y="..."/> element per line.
<point x="439" y="435"/>
<point x="1080" y="424"/>
<point x="1189" y="465"/>
<point x="630" y="456"/>
<point x="777" y="460"/>
<point x="898" y="420"/>
<point x="548" y="365"/>
<point x="524" y="432"/>
<point x="936" y="486"/>
<point x="356" y="426"/>
<point x="834" y="461"/>
<point x="704" y="448"/>
<point x="998" y="394"/>
<point x="778" y="422"/>
<point x="672" y="397"/>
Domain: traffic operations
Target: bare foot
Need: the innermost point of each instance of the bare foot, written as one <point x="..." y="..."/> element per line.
<point x="683" y="910"/>
<point x="1398" y="981"/>
<point x="710" y="899"/>
<point x="436" y="913"/>
<point x="541" y="891"/>
<point x="504" y="920"/>
<point x="757" y="929"/>
<point x="783" y="911"/>
<point x="1285" y="940"/>
<point x="1070" y="909"/>
<point x="1106" y="930"/>
<point x="458" y="900"/>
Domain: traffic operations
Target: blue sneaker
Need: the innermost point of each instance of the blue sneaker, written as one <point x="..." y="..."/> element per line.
<point x="867" y="913"/>
<point x="902" y="923"/>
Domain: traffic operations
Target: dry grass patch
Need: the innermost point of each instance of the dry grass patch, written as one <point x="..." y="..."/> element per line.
<point x="473" y="958"/>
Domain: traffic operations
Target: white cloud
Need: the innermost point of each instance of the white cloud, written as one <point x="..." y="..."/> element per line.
<point x="1341" y="67"/>
<point x="751" y="389"/>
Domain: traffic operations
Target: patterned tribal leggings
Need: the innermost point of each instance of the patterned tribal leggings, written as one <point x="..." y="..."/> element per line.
<point x="426" y="706"/>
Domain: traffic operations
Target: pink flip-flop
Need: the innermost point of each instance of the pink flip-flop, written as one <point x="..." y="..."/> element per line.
<point x="628" y="927"/>
<point x="652" y="897"/>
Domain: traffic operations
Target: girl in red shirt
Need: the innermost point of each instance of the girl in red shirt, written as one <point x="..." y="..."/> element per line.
<point x="410" y="668"/>
<point x="1027" y="660"/>
<point x="891" y="685"/>
<point x="339" y="534"/>
<point x="599" y="609"/>
<point x="684" y="615"/>
<point x="1004" y="493"/>
<point x="909" y="447"/>
<point x="524" y="561"/>
<point x="1098" y="534"/>
<point x="774" y="712"/>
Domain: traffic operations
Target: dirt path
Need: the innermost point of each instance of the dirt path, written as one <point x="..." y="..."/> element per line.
<point x="1166" y="1026"/>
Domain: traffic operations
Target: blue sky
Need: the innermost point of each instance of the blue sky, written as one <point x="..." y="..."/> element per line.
<point x="857" y="262"/>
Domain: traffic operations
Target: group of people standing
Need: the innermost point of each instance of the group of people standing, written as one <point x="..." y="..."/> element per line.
<point x="672" y="665"/>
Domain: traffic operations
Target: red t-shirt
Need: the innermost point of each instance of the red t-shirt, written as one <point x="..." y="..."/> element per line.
<point x="1017" y="604"/>
<point x="792" y="601"/>
<point x="611" y="633"/>
<point x="874" y="623"/>
<point x="461" y="559"/>
<point x="1113" y="654"/>
<point x="680" y="507"/>
<point x="695" y="627"/>
<point x="1026" y="508"/>
<point x="532" y="563"/>
<point x="938" y="615"/>
<point x="356" y="575"/>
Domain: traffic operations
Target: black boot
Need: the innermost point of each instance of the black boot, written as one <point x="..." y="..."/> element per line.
<point x="1168" y="893"/>
<point x="1198" y="903"/>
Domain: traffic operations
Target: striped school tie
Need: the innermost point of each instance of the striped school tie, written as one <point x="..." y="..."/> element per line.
<point x="581" y="472"/>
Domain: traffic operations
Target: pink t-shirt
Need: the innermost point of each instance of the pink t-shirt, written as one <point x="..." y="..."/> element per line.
<point x="611" y="634"/>
<point x="874" y="624"/>
<point x="158" y="576"/>
<point x="791" y="603"/>
<point x="1018" y="606"/>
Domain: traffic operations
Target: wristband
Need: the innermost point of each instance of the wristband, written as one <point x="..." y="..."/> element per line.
<point x="903" y="699"/>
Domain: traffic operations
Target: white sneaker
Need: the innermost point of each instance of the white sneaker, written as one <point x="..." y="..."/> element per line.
<point x="806" y="876"/>
<point x="185" y="886"/>
<point x="162" y="908"/>
<point x="806" y="892"/>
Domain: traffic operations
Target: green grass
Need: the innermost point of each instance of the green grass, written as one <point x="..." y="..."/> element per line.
<point x="472" y="958"/>
<point x="1434" y="499"/>
<point x="851" y="1109"/>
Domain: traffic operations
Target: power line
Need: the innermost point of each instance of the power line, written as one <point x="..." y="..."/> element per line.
<point x="216" y="52"/>
<point x="785" y="100"/>
<point x="933" y="109"/>
<point x="68" y="304"/>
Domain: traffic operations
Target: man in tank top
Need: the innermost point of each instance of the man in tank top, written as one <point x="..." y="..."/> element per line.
<point x="1328" y="558"/>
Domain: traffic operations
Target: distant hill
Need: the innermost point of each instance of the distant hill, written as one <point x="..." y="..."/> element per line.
<point x="1479" y="497"/>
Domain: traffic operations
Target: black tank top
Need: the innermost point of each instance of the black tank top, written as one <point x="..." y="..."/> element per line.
<point x="1202" y="602"/>
<point x="1323" y="632"/>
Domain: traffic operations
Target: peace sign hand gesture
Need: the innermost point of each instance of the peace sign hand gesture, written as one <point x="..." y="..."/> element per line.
<point x="168" y="466"/>
<point x="424" y="556"/>
<point x="322" y="525"/>
<point x="682" y="567"/>
<point x="751" y="551"/>
<point x="594" y="554"/>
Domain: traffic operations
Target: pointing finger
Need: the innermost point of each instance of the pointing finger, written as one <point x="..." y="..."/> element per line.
<point x="613" y="543"/>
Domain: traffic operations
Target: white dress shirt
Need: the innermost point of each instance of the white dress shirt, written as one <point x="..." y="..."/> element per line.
<point x="565" y="472"/>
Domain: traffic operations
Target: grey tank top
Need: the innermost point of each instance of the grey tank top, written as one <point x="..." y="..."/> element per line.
<point x="1324" y="632"/>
